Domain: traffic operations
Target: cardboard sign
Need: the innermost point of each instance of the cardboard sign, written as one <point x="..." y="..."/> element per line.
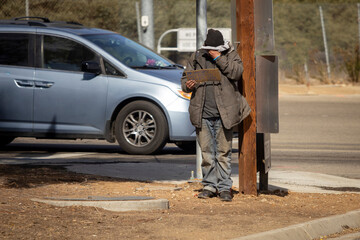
<point x="204" y="75"/>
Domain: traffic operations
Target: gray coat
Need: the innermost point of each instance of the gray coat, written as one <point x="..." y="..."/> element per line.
<point x="232" y="106"/>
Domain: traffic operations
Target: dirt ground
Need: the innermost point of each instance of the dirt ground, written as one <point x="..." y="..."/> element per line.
<point x="338" y="90"/>
<point x="187" y="218"/>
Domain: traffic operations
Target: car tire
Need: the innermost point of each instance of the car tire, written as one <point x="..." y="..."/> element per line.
<point x="5" y="140"/>
<point x="189" y="147"/>
<point x="141" y="128"/>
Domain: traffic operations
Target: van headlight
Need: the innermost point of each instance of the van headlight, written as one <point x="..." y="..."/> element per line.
<point x="184" y="94"/>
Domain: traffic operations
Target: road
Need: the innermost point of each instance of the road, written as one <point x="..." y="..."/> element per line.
<point x="317" y="134"/>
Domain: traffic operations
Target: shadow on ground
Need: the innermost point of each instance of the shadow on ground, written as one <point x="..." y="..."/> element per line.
<point x="28" y="176"/>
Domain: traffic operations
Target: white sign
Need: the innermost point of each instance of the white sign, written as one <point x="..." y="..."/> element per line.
<point x="144" y="21"/>
<point x="186" y="38"/>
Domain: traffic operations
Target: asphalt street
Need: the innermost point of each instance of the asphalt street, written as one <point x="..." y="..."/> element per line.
<point x="318" y="134"/>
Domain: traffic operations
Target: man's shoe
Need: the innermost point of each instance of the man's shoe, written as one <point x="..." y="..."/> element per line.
<point x="206" y="194"/>
<point x="226" y="196"/>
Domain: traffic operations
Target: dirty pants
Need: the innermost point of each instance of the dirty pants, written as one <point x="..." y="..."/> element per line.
<point x="216" y="145"/>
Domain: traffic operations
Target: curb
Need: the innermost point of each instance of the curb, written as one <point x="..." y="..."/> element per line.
<point x="310" y="230"/>
<point x="116" y="206"/>
<point x="352" y="236"/>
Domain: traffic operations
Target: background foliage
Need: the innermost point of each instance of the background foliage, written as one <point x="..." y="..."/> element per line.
<point x="297" y="26"/>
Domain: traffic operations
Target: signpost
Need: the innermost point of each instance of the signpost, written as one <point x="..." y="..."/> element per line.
<point x="254" y="31"/>
<point x="186" y="39"/>
<point x="247" y="137"/>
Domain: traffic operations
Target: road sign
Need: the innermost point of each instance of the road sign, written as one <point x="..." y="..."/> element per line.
<point x="186" y="38"/>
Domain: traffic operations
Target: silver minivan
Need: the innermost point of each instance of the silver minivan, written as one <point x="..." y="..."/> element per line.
<point x="61" y="80"/>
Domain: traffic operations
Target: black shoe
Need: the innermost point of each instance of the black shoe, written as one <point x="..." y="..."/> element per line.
<point x="226" y="196"/>
<point x="206" y="194"/>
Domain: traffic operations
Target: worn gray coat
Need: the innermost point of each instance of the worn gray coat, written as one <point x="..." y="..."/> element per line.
<point x="232" y="106"/>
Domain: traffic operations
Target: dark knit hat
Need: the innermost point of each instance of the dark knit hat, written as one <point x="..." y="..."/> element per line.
<point x="214" y="38"/>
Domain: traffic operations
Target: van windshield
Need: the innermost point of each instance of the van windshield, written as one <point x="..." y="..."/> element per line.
<point x="129" y="52"/>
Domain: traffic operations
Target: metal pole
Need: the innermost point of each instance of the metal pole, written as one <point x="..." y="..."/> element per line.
<point x="159" y="48"/>
<point x="147" y="23"/>
<point x="201" y="22"/>
<point x="358" y="5"/>
<point x="27" y="7"/>
<point x="234" y="39"/>
<point x="325" y="41"/>
<point x="306" y="73"/>
<point x="307" y="76"/>
<point x="138" y="21"/>
<point x="201" y="30"/>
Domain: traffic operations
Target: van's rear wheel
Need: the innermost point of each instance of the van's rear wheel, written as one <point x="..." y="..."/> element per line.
<point x="141" y="128"/>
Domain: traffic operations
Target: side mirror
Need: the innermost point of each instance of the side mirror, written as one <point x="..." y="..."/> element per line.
<point x="91" y="67"/>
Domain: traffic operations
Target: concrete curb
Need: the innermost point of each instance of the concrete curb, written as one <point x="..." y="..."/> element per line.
<point x="116" y="206"/>
<point x="352" y="236"/>
<point x="310" y="230"/>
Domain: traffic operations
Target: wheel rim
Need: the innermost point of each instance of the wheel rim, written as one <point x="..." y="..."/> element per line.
<point x="139" y="128"/>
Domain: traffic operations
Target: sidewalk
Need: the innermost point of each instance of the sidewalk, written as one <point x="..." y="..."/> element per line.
<point x="293" y="181"/>
<point x="313" y="229"/>
<point x="337" y="90"/>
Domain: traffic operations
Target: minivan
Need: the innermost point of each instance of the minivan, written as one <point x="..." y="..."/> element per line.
<point x="62" y="80"/>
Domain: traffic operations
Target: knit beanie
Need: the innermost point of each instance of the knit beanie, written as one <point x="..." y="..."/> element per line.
<point x="214" y="38"/>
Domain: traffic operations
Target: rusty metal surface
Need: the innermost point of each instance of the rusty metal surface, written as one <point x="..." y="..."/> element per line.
<point x="266" y="69"/>
<point x="264" y="28"/>
<point x="267" y="99"/>
<point x="263" y="152"/>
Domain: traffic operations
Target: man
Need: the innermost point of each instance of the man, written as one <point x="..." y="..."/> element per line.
<point x="215" y="108"/>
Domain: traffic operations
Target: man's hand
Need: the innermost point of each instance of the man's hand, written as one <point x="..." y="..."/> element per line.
<point x="214" y="53"/>
<point x="191" y="84"/>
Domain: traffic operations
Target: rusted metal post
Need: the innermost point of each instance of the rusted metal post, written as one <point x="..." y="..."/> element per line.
<point x="247" y="137"/>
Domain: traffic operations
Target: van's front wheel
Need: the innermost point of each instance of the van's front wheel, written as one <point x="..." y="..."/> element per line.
<point x="141" y="128"/>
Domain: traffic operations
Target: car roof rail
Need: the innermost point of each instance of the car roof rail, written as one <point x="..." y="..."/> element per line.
<point x="39" y="21"/>
<point x="28" y="17"/>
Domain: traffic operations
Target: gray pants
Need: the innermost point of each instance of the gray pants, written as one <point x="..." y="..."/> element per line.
<point x="216" y="145"/>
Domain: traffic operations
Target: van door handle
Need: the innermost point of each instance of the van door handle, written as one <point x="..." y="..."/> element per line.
<point x="24" y="83"/>
<point x="43" y="84"/>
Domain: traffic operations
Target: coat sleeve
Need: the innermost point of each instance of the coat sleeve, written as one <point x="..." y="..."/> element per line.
<point x="189" y="67"/>
<point x="230" y="65"/>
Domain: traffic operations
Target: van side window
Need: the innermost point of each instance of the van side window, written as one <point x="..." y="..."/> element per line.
<point x="14" y="49"/>
<point x="64" y="54"/>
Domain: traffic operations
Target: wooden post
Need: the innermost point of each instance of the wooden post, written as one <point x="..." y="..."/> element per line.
<point x="247" y="137"/>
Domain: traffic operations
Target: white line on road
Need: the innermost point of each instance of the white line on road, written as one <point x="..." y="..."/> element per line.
<point x="55" y="156"/>
<point x="315" y="150"/>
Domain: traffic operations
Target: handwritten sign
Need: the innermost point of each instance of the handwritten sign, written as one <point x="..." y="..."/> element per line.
<point x="204" y="75"/>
